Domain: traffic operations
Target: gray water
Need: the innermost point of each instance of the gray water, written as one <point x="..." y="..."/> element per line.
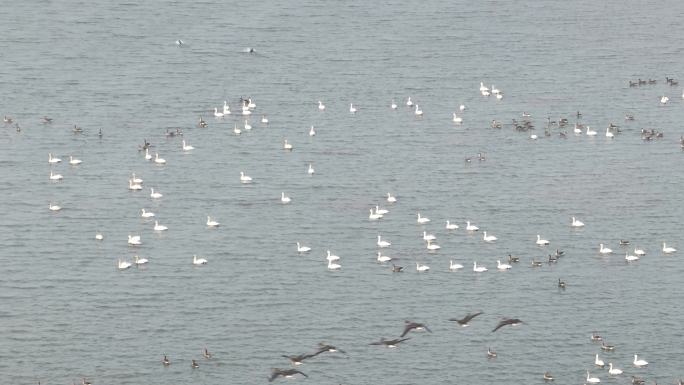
<point x="66" y="312"/>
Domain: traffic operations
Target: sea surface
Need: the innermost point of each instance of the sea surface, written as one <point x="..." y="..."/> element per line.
<point x="67" y="312"/>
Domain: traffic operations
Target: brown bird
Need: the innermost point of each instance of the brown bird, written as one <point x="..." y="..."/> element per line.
<point x="287" y="373"/>
<point x="390" y="343"/>
<point x="322" y="348"/>
<point x="297" y="360"/>
<point x="464" y="321"/>
<point x="414" y="325"/>
<point x="507" y="321"/>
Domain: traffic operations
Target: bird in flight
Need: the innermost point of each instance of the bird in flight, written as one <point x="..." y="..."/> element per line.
<point x="414" y="325"/>
<point x="507" y="321"/>
<point x="287" y="373"/>
<point x="390" y="343"/>
<point x="465" y="320"/>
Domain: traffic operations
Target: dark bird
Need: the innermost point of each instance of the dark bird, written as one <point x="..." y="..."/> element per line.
<point x="561" y="284"/>
<point x="624" y="242"/>
<point x="390" y="343"/>
<point x="513" y="259"/>
<point x="84" y="382"/>
<point x="548" y="376"/>
<point x="536" y="263"/>
<point x="637" y="381"/>
<point x="559" y="253"/>
<point x="287" y="373"/>
<point x="491" y="353"/>
<point x="507" y="321"/>
<point x="323" y="348"/>
<point x="464" y="321"/>
<point x="194" y="364"/>
<point x="596" y="337"/>
<point x="297" y="360"/>
<point x="397" y="269"/>
<point x="553" y="258"/>
<point x="206" y="354"/>
<point x="607" y="348"/>
<point x="166" y="361"/>
<point x="414" y="325"/>
<point x="46" y="120"/>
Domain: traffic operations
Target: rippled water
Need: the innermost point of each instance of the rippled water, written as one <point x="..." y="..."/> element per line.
<point x="67" y="313"/>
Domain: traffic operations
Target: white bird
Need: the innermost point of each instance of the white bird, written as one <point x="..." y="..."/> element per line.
<point x="409" y="103"/>
<point x="576" y="223"/>
<point x="578" y="129"/>
<point x="56" y="176"/>
<point x="393" y="105"/>
<point x="155" y="195"/>
<point x="451" y="226"/>
<point x="613" y="371"/>
<point x="639" y="252"/>
<point x="470" y="227"/>
<point x="373" y="215"/>
<point x="380" y="211"/>
<point x="456" y="119"/>
<point x="462" y="107"/>
<point x="302" y="249"/>
<point x="352" y="109"/>
<point x="432" y="246"/>
<point x="247" y="126"/>
<point x="422" y="268"/>
<point x="237" y="130"/>
<point x="390" y="198"/>
<point x="158" y="227"/>
<point x="422" y="220"/>
<point x="608" y="133"/>
<point x="499" y="96"/>
<point x="534" y="137"/>
<point x="211" y="222"/>
<point x="134" y="240"/>
<point x="73" y="161"/>
<point x="454" y="266"/>
<point x="250" y="104"/>
<point x="245" y="110"/>
<point x="245" y="178"/>
<point x="502" y="266"/>
<point x="478" y="269"/>
<point x="310" y="170"/>
<point x="639" y="363"/>
<point x="332" y="257"/>
<point x="226" y="108"/>
<point x="598" y="362"/>
<point x="52" y="160"/>
<point x="54" y="207"/>
<point x="198" y="261"/>
<point x="217" y="113"/>
<point x="186" y="147"/>
<point x="136" y="179"/>
<point x="668" y="249"/>
<point x="383" y="258"/>
<point x="140" y="261"/>
<point x="321" y="106"/>
<point x="99" y="236"/>
<point x="287" y="146"/>
<point x="664" y="100"/>
<point x="604" y="250"/>
<point x="383" y="243"/>
<point x="488" y="238"/>
<point x="146" y="214"/>
<point x="485" y="93"/>
<point x="631" y="258"/>
<point x="123" y="265"/>
<point x="148" y="156"/>
<point x="134" y="186"/>
<point x="333" y="266"/>
<point x="264" y="119"/>
<point x="428" y="237"/>
<point x="483" y="87"/>
<point x="312" y="132"/>
<point x="541" y="242"/>
<point x="284" y="199"/>
<point x="495" y="90"/>
<point x="592" y="380"/>
<point x="418" y="111"/>
<point x="158" y="160"/>
<point x="590" y="132"/>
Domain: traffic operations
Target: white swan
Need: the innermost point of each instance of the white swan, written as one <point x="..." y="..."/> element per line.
<point x="250" y="104"/>
<point x="485" y="93"/>
<point x="592" y="380"/>
<point x="99" y="236"/>
<point x="148" y="156"/>
<point x="604" y="250"/>
<point x="321" y="106"/>
<point x="664" y="100"/>
<point x="383" y="258"/>
<point x="302" y="249"/>
<point x="136" y="179"/>
<point x="332" y="257"/>
<point x="383" y="243"/>
<point x="541" y="242"/>
<point x="478" y="269"/>
<point x="613" y="371"/>
<point x="590" y="132"/>
<point x="454" y="266"/>
<point x="217" y="113"/>
<point x="422" y="268"/>
<point x="390" y="198"/>
<point x="483" y="87"/>
<point x="211" y="222"/>
<point x="418" y="111"/>
<point x="495" y="90"/>
<point x="146" y="214"/>
<point x="462" y="107"/>
<point x="198" y="261"/>
<point x="134" y="186"/>
<point x="310" y="170"/>
<point x="422" y="220"/>
<point x="373" y="215"/>
<point x="352" y="109"/>
<point x="470" y="227"/>
<point x="284" y="199"/>
<point x="73" y="161"/>
<point x="639" y="252"/>
<point x="155" y="195"/>
<point x="56" y="176"/>
<point x="226" y="108"/>
<point x="245" y="178"/>
<point x="502" y="266"/>
<point x="428" y="237"/>
<point x="534" y="137"/>
<point x="236" y="130"/>
<point x="245" y="109"/>
<point x="140" y="261"/>
<point x="456" y="119"/>
<point x="54" y="207"/>
<point x="393" y="105"/>
<point x="433" y="246"/>
<point x="488" y="238"/>
<point x="247" y="126"/>
<point x="608" y="133"/>
<point x="638" y="362"/>
<point x="333" y="266"/>
<point x="380" y="211"/>
<point x="451" y="226"/>
<point x="598" y="362"/>
<point x="631" y="258"/>
<point x="312" y="132"/>
<point x="409" y="103"/>
<point x="52" y="160"/>
<point x="158" y="160"/>
<point x="287" y="146"/>
<point x="264" y="119"/>
<point x="158" y="227"/>
<point x="578" y="129"/>
<point x="576" y="223"/>
<point x="499" y="96"/>
<point x="668" y="249"/>
<point x="134" y="240"/>
<point x="123" y="265"/>
<point x="186" y="147"/>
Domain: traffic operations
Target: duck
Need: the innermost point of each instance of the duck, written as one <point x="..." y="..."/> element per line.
<point x="422" y="220"/>
<point x="422" y="268"/>
<point x="217" y="113"/>
<point x="333" y="266"/>
<point x="590" y="132"/>
<point x="198" y="261"/>
<point x="56" y="176"/>
<point x="245" y="178"/>
<point x="54" y="207"/>
<point x="668" y="249"/>
<point x="165" y="361"/>
<point x="352" y="109"/>
<point x="451" y="226"/>
<point x="478" y="269"/>
<point x="639" y="252"/>
<point x="513" y="259"/>
<point x="456" y="119"/>
<point x="454" y="266"/>
<point x="382" y="243"/>
<point x="638" y="362"/>
<point x="134" y="240"/>
<point x="428" y="237"/>
<point x="592" y="380"/>
<point x="488" y="238"/>
<point x="321" y="106"/>
<point x="332" y="257"/>
<point x="158" y="160"/>
<point x="146" y="214"/>
<point x="391" y="198"/>
<point x="613" y="371"/>
<point x="123" y="265"/>
<point x="310" y="170"/>
<point x="73" y="161"/>
<point x="604" y="250"/>
<point x="53" y="160"/>
<point x="194" y="364"/>
<point x="541" y="242"/>
<point x="139" y="261"/>
<point x="302" y="249"/>
<point x="154" y="194"/>
<point x="186" y="147"/>
<point x="502" y="266"/>
<point x="432" y="246"/>
<point x="312" y="132"/>
<point x="287" y="146"/>
<point x="598" y="362"/>
<point x="631" y="258"/>
<point x="607" y="348"/>
<point x="576" y="223"/>
<point x="418" y="111"/>
<point x="471" y="227"/>
<point x="383" y="258"/>
<point x="158" y="227"/>
<point x="284" y="198"/>
<point x="373" y="216"/>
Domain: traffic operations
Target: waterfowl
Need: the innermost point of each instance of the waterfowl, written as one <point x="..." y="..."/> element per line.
<point x="73" y="161"/>
<point x="513" y="259"/>
<point x="422" y="220"/>
<point x="380" y="211"/>
<point x="592" y="380"/>
<point x="638" y="362"/>
<point x="596" y="337"/>
<point x="490" y="353"/>
<point x="639" y="252"/>
<point x="331" y="257"/>
<point x="155" y="195"/>
<point x="485" y="93"/>
<point x="536" y="263"/>
<point x="390" y="198"/>
<point x="146" y="214"/>
<point x="576" y="223"/>
<point x="333" y="266"/>
<point x="548" y="376"/>
<point x="56" y="176"/>
<point x="54" y="207"/>
<point x="312" y="132"/>
<point x="454" y="266"/>
<point x="226" y="108"/>
<point x="409" y="103"/>
<point x="418" y="111"/>
<point x="298" y="359"/>
<point x="158" y="227"/>
<point x="136" y="179"/>
<point x="604" y="250"/>
<point x="591" y="132"/>
<point x="465" y="320"/>
<point x="428" y="237"/>
<point x="409" y="325"/>
<point x="123" y="265"/>
<point x="217" y="113"/>
<point x="390" y="343"/>
<point x="287" y="146"/>
<point x="383" y="258"/>
<point x="194" y="364"/>
<point x="422" y="268"/>
<point x="393" y="105"/>
<point x="139" y="261"/>
<point x="148" y="156"/>
<point x="186" y="147"/>
<point x="668" y="249"/>
<point x="451" y="226"/>
<point x="302" y="249"/>
<point x="433" y="246"/>
<point x="488" y="238"/>
<point x="321" y="106"/>
<point x="264" y="119"/>
<point x="470" y="227"/>
<point x="608" y="133"/>
<point x="326" y="348"/>
<point x="287" y="373"/>
<point x="99" y="236"/>
<point x="247" y="126"/>
<point x="383" y="243"/>
<point x="352" y="109"/>
<point x="373" y="216"/>
<point x="631" y="258"/>
<point x="165" y="361"/>
<point x="478" y="269"/>
<point x="598" y="362"/>
<point x="236" y="130"/>
<point x="198" y="261"/>
<point x="502" y="266"/>
<point x="250" y="104"/>
<point x="613" y="371"/>
<point x="134" y="186"/>
<point x="561" y="284"/>
<point x="206" y="354"/>
<point x="158" y="160"/>
<point x="534" y="137"/>
<point x="607" y="348"/>
<point x="462" y="107"/>
<point x="541" y="242"/>
<point x="134" y="240"/>
<point x="507" y="321"/>
<point x="284" y="199"/>
<point x="52" y="160"/>
<point x="245" y="178"/>
<point x="664" y="99"/>
<point x="624" y="242"/>
<point x="456" y="119"/>
<point x="499" y="96"/>
<point x="578" y="129"/>
<point x="310" y="170"/>
<point x="483" y="87"/>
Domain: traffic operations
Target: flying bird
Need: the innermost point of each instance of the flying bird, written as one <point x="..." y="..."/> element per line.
<point x="297" y="360"/>
<point x="323" y="348"/>
<point x="414" y="325"/>
<point x="287" y="373"/>
<point x="507" y="321"/>
<point x="390" y="343"/>
<point x="464" y="321"/>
